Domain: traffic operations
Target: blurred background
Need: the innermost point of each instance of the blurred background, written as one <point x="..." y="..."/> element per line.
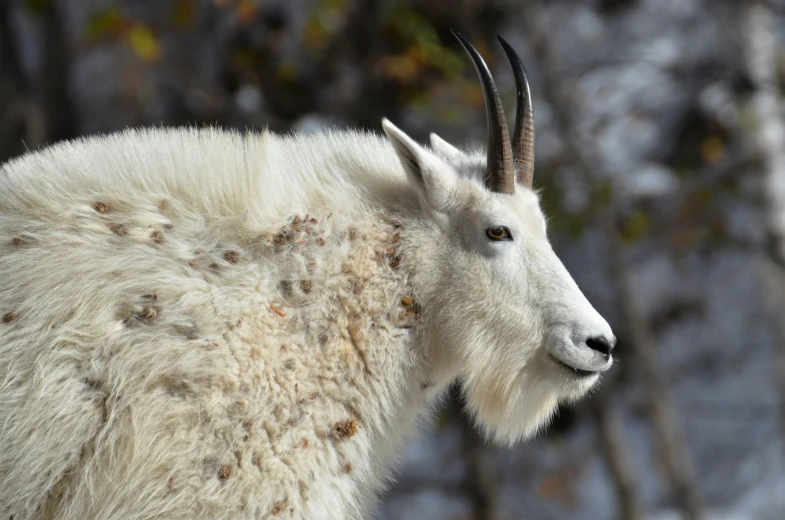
<point x="661" y="160"/>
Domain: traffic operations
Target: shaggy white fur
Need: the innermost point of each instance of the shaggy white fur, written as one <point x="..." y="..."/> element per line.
<point x="202" y="324"/>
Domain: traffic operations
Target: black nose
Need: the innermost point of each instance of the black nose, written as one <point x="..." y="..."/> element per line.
<point x="602" y="345"/>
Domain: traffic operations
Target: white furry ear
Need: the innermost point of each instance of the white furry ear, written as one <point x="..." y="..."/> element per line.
<point x="434" y="179"/>
<point x="447" y="151"/>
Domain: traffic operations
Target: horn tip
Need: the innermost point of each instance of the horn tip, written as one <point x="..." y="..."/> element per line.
<point x="507" y="47"/>
<point x="461" y="38"/>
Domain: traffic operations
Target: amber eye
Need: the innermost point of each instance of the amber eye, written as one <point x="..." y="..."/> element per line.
<point x="498" y="233"/>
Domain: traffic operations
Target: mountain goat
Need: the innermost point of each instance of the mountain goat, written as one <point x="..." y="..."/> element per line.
<point x="203" y="324"/>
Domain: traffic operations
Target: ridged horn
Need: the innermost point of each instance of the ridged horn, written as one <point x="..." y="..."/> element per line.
<point x="501" y="170"/>
<point x="523" y="136"/>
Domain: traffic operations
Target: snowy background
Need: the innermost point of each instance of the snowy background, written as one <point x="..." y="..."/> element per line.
<point x="660" y="153"/>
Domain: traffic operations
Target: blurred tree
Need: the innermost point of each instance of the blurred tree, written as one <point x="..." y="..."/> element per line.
<point x="768" y="141"/>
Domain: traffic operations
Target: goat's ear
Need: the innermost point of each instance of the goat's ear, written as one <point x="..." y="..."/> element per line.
<point x="433" y="178"/>
<point x="447" y="151"/>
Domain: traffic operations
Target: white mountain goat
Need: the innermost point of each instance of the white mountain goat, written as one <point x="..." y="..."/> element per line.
<point x="202" y="324"/>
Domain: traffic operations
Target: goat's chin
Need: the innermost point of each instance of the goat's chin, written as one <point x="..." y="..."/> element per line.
<point x="511" y="409"/>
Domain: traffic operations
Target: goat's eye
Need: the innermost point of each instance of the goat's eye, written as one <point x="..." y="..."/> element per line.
<point x="498" y="233"/>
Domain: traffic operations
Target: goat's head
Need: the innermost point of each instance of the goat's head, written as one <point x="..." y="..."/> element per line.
<point x="501" y="310"/>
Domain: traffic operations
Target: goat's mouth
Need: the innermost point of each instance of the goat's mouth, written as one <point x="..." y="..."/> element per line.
<point x="574" y="371"/>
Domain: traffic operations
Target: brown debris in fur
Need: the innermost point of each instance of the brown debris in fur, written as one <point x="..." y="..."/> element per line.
<point x="239" y="456"/>
<point x="304" y="443"/>
<point x="352" y="231"/>
<point x="193" y="264"/>
<point x="406" y="314"/>
<point x="247" y="425"/>
<point x="285" y="287"/>
<point x="306" y="286"/>
<point x="257" y="459"/>
<point x="411" y="308"/>
<point x="153" y="296"/>
<point x="214" y="266"/>
<point x="10" y="317"/>
<point x="176" y="387"/>
<point x="119" y="229"/>
<point x="278" y="311"/>
<point x="148" y="314"/>
<point x="346" y="429"/>
<point x="224" y="472"/>
<point x="102" y="207"/>
<point x="17" y="241"/>
<point x="292" y="231"/>
<point x="279" y="507"/>
<point x="92" y="383"/>
<point x="321" y="241"/>
<point x="157" y="237"/>
<point x="232" y="256"/>
<point x="347" y="468"/>
<point x="389" y="254"/>
<point x="395" y="261"/>
<point x="310" y="266"/>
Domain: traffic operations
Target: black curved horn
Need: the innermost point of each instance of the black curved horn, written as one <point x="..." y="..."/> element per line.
<point x="501" y="170"/>
<point x="523" y="136"/>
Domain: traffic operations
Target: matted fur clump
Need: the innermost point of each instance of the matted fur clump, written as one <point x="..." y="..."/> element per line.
<point x="200" y="324"/>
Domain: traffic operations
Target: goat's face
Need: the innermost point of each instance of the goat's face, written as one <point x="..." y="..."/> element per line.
<point x="502" y="311"/>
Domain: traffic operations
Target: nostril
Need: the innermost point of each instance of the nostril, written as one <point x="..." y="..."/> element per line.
<point x="601" y="344"/>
